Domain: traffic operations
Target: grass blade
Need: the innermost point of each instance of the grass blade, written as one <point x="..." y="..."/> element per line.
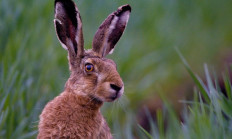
<point x="196" y="79"/>
<point x="145" y="132"/>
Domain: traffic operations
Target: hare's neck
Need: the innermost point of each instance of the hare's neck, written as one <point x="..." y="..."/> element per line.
<point x="83" y="101"/>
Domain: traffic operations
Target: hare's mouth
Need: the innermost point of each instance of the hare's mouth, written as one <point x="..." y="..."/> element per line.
<point x="113" y="97"/>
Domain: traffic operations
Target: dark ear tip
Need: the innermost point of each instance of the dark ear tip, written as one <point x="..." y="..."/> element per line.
<point x="65" y="2"/>
<point x="126" y="7"/>
<point x="59" y="1"/>
<point x="123" y="9"/>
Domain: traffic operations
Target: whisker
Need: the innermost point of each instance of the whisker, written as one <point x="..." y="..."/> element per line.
<point x="111" y="113"/>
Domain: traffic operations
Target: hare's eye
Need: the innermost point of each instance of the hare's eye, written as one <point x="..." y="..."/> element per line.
<point x="88" y="67"/>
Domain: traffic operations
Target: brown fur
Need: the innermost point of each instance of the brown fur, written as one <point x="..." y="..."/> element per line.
<point x="72" y="116"/>
<point x="75" y="113"/>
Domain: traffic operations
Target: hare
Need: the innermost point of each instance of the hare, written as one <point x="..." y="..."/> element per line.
<point x="94" y="79"/>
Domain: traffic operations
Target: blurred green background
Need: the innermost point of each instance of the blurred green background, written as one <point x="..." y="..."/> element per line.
<point x="34" y="66"/>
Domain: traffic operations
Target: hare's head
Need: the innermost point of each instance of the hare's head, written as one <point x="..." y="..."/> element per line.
<point x="92" y="74"/>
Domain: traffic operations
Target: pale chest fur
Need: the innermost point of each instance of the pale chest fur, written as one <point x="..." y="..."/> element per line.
<point x="64" y="118"/>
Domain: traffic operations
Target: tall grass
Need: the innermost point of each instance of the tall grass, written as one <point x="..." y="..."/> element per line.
<point x="208" y="115"/>
<point x="33" y="66"/>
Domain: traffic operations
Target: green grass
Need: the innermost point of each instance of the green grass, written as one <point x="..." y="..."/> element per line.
<point x="34" y="68"/>
<point x="208" y="115"/>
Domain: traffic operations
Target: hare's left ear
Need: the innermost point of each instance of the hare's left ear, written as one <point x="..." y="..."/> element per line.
<point x="111" y="30"/>
<point x="68" y="27"/>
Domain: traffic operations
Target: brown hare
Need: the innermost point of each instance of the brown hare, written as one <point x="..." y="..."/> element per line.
<point x="94" y="79"/>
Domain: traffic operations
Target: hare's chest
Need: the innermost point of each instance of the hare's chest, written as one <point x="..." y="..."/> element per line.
<point x="104" y="131"/>
<point x="84" y="126"/>
<point x="95" y="129"/>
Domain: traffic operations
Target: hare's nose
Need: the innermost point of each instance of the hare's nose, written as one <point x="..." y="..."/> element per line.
<point x="115" y="87"/>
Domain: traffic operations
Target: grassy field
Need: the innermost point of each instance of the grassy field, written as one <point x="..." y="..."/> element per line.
<point x="34" y="68"/>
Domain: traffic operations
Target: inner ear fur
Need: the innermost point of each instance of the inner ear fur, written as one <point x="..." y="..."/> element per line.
<point x="111" y="30"/>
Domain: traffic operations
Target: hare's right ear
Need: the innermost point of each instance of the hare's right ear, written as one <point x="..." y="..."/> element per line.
<point x="111" y="30"/>
<point x="68" y="27"/>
